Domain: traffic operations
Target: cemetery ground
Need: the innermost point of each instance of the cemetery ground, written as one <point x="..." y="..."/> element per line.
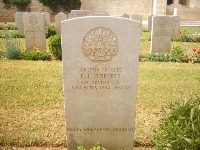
<point x="32" y="104"/>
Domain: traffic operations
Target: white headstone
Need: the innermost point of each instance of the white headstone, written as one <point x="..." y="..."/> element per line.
<point x="34" y="30"/>
<point x="72" y="15"/>
<point x="58" y="18"/>
<point x="100" y="71"/>
<point x="125" y="16"/>
<point x="161" y="34"/>
<point x="176" y="25"/>
<point x="19" y="21"/>
<point x="46" y="19"/>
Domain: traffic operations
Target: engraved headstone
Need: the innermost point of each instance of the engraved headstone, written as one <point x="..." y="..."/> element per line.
<point x="58" y="18"/>
<point x="34" y="30"/>
<point x="100" y="88"/>
<point x="72" y="15"/>
<point x="19" y="21"/>
<point x="161" y="34"/>
<point x="46" y="19"/>
<point x="176" y="25"/>
<point x="150" y="22"/>
<point x="125" y="16"/>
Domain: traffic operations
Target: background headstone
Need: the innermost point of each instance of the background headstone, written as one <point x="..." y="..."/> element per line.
<point x="72" y="15"/>
<point x="80" y="13"/>
<point x="19" y="21"/>
<point x="99" y="14"/>
<point x="34" y="30"/>
<point x="100" y="70"/>
<point x="161" y="34"/>
<point x="150" y="22"/>
<point x="125" y="16"/>
<point x="176" y="25"/>
<point x="46" y="19"/>
<point x="137" y="17"/>
<point x="58" y="18"/>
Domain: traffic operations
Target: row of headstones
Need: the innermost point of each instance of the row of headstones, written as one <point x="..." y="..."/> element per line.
<point x="34" y="24"/>
<point x="163" y="28"/>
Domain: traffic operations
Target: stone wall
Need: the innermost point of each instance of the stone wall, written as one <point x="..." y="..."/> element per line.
<point x="7" y="15"/>
<point x="118" y="7"/>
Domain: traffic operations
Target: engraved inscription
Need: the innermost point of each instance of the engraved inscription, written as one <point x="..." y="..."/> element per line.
<point x="162" y="29"/>
<point x="100" y="79"/>
<point x="100" y="129"/>
<point x="33" y="20"/>
<point x="100" y="45"/>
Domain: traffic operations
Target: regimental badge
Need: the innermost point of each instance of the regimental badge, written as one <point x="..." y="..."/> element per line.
<point x="100" y="45"/>
<point x="33" y="20"/>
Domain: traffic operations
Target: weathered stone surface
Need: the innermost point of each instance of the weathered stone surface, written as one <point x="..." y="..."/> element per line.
<point x="19" y="21"/>
<point x="58" y="18"/>
<point x="72" y="15"/>
<point x="125" y="16"/>
<point x="161" y="34"/>
<point x="34" y="30"/>
<point x="46" y="19"/>
<point x="150" y="22"/>
<point x="137" y="17"/>
<point x="176" y="25"/>
<point x="80" y="13"/>
<point x="100" y="70"/>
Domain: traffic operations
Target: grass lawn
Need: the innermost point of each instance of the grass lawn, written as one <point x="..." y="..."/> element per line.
<point x="32" y="105"/>
<point x="31" y="99"/>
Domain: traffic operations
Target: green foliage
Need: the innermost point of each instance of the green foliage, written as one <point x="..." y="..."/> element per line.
<point x="176" y="55"/>
<point x="159" y="57"/>
<point x="35" y="55"/>
<point x="180" y="128"/>
<point x="55" y="46"/>
<point x="12" y="48"/>
<point x="93" y="148"/>
<point x="51" y="31"/>
<point x="2" y="54"/>
<point x="65" y="4"/>
<point x="8" y="27"/>
<point x="184" y="37"/>
<point x="20" y="4"/>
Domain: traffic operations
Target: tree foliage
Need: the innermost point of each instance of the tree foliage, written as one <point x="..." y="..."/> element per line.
<point x="65" y="4"/>
<point x="20" y="4"/>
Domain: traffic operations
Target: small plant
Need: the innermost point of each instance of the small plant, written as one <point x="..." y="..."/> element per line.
<point x="7" y="26"/>
<point x="184" y="37"/>
<point x="12" y="48"/>
<point x="179" y="129"/>
<point x="35" y="54"/>
<point x="51" y="31"/>
<point x="159" y="57"/>
<point x="177" y="54"/>
<point x="55" y="46"/>
<point x="93" y="148"/>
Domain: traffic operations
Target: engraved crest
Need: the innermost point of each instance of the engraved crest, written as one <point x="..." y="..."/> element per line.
<point x="33" y="20"/>
<point x="100" y="45"/>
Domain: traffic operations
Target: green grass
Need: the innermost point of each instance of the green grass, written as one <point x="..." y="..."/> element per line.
<point x="32" y="105"/>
